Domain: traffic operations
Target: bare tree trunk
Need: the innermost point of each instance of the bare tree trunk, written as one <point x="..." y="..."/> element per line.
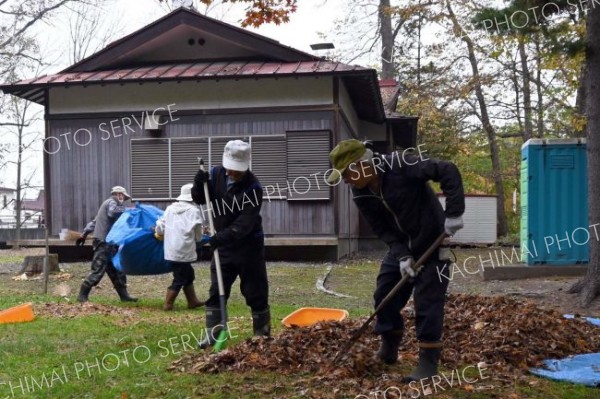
<point x="488" y="128"/>
<point x="18" y="201"/>
<point x="387" y="40"/>
<point x="581" y="99"/>
<point x="589" y="286"/>
<point x="515" y="81"/>
<point x="528" y="131"/>
<point x="540" y="90"/>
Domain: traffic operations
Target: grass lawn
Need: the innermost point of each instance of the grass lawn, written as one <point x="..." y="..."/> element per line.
<point x="112" y="350"/>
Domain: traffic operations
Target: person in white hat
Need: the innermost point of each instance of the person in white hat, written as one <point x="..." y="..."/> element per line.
<point x="107" y="215"/>
<point x="181" y="227"/>
<point x="236" y="200"/>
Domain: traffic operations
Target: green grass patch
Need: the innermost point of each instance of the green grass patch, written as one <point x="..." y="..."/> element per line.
<point x="128" y="348"/>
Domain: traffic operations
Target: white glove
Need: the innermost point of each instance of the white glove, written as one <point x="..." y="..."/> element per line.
<point x="452" y="225"/>
<point x="406" y="265"/>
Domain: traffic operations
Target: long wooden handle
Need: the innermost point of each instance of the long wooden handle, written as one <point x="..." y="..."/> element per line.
<point x="417" y="267"/>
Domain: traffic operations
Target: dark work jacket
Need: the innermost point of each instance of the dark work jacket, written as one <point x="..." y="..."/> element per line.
<point x="406" y="214"/>
<point x="236" y="212"/>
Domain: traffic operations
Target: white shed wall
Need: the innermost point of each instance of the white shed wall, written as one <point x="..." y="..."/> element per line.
<point x="192" y="95"/>
<point x="348" y="108"/>
<point x="480" y="219"/>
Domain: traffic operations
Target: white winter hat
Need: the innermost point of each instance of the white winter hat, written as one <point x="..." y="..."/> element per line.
<point x="236" y="155"/>
<point x="119" y="189"/>
<point x="186" y="193"/>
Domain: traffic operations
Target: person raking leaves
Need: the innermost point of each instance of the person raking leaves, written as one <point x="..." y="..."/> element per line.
<point x="394" y="196"/>
<point x="235" y="201"/>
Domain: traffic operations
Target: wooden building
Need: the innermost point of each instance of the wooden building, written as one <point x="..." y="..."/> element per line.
<point x="139" y="112"/>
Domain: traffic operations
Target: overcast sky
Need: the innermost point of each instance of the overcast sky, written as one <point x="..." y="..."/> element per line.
<point x="312" y="17"/>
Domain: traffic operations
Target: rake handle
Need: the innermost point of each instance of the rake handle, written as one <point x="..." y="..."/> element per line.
<point x="417" y="267"/>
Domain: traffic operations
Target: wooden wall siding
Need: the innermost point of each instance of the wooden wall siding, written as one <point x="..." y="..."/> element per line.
<point x="81" y="178"/>
<point x="349" y="214"/>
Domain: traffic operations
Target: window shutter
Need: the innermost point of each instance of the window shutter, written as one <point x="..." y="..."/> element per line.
<point x="308" y="154"/>
<point x="150" y="169"/>
<point x="184" y="161"/>
<point x="268" y="163"/>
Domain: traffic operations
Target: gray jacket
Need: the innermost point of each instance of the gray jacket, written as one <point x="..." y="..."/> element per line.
<point x="109" y="212"/>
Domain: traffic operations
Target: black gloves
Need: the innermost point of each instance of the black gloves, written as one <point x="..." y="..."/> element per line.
<point x="81" y="240"/>
<point x="200" y="178"/>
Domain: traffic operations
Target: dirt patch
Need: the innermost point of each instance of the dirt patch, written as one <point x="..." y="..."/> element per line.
<point x="74" y="310"/>
<point x="547" y="292"/>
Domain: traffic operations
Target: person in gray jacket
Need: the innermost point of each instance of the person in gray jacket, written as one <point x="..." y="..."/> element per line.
<point x="109" y="212"/>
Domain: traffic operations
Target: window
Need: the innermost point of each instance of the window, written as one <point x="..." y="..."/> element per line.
<point x="184" y="161"/>
<point x="290" y="166"/>
<point x="269" y="158"/>
<point x="150" y="174"/>
<point x="307" y="162"/>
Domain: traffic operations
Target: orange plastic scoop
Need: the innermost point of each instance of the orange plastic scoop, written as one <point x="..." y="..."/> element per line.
<point x="17" y="314"/>
<point x="305" y="317"/>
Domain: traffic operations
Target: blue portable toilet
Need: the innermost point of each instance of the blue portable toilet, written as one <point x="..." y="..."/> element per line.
<point x="554" y="202"/>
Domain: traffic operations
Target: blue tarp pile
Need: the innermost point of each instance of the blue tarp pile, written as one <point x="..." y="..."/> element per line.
<point x="592" y="320"/>
<point x="579" y="369"/>
<point x="139" y="252"/>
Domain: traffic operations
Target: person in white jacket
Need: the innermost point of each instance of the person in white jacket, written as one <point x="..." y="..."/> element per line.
<point x="180" y="227"/>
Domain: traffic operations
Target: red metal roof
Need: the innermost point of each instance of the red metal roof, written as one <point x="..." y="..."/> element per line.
<point x="197" y="70"/>
<point x="360" y="80"/>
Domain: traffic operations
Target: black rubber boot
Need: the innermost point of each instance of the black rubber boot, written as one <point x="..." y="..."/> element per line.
<point x="390" y="343"/>
<point x="124" y="295"/>
<point x="213" y="319"/>
<point x="261" y="323"/>
<point x="84" y="292"/>
<point x="429" y="358"/>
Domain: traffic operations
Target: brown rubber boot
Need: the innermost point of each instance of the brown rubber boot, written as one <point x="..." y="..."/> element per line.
<point x="170" y="300"/>
<point x="192" y="299"/>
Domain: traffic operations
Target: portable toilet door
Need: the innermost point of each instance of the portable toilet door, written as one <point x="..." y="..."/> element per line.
<point x="554" y="202"/>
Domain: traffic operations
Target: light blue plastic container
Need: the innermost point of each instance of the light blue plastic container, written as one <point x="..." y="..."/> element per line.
<point x="554" y="202"/>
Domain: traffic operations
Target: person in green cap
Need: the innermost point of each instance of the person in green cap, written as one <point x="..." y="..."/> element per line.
<point x="395" y="198"/>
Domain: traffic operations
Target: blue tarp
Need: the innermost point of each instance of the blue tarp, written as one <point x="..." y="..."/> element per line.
<point x="139" y="252"/>
<point x="580" y="369"/>
<point x="592" y="320"/>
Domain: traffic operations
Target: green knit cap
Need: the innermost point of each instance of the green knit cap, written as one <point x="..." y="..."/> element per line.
<point x="345" y="153"/>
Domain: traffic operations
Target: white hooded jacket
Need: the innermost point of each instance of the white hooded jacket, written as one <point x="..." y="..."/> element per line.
<point x="181" y="226"/>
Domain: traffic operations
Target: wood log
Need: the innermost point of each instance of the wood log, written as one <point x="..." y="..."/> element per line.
<point x="35" y="264"/>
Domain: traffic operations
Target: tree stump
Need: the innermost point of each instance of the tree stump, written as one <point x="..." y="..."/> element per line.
<point x="35" y="264"/>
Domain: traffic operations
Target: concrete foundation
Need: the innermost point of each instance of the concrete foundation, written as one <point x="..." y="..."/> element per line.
<point x="519" y="272"/>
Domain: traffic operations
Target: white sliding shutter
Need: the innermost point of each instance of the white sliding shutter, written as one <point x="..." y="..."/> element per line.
<point x="150" y="169"/>
<point x="184" y="161"/>
<point x="269" y="159"/>
<point x="308" y="154"/>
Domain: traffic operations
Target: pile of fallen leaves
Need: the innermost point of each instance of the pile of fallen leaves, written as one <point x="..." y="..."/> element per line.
<point x="71" y="311"/>
<point x="506" y="335"/>
<point x="509" y="333"/>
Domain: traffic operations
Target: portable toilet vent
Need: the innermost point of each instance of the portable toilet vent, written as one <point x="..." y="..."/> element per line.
<point x="554" y="202"/>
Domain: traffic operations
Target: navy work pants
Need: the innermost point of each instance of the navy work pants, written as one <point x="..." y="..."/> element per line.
<point x="429" y="288"/>
<point x="246" y="260"/>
